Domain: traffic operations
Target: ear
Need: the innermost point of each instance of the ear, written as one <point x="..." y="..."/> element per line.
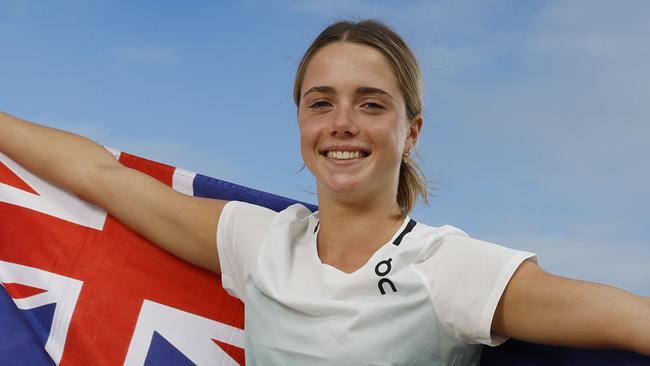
<point x="415" y="127"/>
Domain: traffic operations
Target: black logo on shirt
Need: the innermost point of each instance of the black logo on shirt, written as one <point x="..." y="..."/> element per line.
<point x="382" y="269"/>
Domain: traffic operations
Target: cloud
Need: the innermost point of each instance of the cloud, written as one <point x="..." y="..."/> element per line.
<point x="147" y="55"/>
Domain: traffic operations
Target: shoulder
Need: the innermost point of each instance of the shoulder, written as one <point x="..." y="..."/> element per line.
<point x="241" y="209"/>
<point x="465" y="278"/>
<point x="294" y="221"/>
<point x="244" y="219"/>
<point x="296" y="212"/>
<point x="241" y="213"/>
<point x="449" y="247"/>
<point x="422" y="230"/>
<point x="427" y="239"/>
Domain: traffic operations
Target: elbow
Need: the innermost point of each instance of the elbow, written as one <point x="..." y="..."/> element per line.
<point x="93" y="180"/>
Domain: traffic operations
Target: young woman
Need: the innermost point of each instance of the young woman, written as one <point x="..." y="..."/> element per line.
<point x="358" y="282"/>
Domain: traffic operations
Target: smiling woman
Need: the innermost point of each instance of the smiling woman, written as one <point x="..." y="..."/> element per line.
<point x="395" y="66"/>
<point x="348" y="108"/>
<point x="358" y="282"/>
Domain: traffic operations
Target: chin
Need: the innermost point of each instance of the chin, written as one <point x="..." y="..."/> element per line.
<point x="343" y="186"/>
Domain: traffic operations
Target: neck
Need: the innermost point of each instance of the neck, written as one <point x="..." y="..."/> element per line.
<point x="351" y="232"/>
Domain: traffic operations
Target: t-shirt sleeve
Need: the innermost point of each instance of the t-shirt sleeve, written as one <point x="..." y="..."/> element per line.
<point x="466" y="278"/>
<point x="240" y="233"/>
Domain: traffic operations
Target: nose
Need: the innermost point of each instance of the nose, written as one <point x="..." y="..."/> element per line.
<point x="343" y="123"/>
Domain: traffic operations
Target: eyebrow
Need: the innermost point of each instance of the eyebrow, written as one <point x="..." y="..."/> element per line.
<point x="361" y="90"/>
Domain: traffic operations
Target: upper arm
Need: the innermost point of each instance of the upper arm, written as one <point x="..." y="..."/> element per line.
<point x="543" y="308"/>
<point x="181" y="224"/>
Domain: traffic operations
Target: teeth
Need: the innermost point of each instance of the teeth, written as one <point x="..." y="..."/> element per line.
<point x="344" y="155"/>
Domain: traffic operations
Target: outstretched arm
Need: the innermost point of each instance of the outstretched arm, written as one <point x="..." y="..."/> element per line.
<point x="543" y="308"/>
<point x="180" y="224"/>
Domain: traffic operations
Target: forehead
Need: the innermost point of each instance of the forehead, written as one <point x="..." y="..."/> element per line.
<point x="347" y="65"/>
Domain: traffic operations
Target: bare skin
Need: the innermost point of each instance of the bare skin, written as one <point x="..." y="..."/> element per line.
<point x="180" y="224"/>
<point x="543" y="308"/>
<point x="351" y="101"/>
<point x="351" y="105"/>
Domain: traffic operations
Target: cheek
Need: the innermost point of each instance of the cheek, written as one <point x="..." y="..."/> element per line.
<point x="308" y="139"/>
<point x="389" y="138"/>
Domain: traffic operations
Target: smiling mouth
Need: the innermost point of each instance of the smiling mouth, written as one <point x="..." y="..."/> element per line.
<point x="346" y="155"/>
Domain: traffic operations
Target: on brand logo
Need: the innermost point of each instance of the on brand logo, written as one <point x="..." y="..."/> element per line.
<point x="382" y="269"/>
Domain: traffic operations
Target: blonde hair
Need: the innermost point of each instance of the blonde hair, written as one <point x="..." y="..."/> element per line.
<point x="412" y="182"/>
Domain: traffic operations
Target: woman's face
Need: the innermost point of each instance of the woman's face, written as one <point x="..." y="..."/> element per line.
<point x="353" y="124"/>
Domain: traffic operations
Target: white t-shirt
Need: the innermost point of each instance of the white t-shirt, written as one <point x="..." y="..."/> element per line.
<point x="427" y="297"/>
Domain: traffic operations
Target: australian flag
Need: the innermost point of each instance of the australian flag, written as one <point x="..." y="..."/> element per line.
<point x="79" y="288"/>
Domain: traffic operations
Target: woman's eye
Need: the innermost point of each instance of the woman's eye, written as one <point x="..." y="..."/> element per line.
<point x="371" y="105"/>
<point x="319" y="104"/>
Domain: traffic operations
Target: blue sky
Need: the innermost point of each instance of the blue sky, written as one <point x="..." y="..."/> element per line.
<point x="537" y="113"/>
